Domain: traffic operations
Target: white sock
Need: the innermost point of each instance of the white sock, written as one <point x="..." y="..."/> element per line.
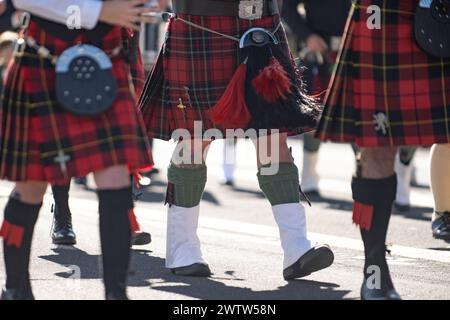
<point x="291" y="220"/>
<point x="310" y="178"/>
<point x="403" y="182"/>
<point x="229" y="160"/>
<point x="183" y="245"/>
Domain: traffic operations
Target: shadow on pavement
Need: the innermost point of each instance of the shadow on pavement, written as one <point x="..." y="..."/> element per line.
<point x="153" y="273"/>
<point x="70" y="257"/>
<point x="149" y="271"/>
<point x="255" y="193"/>
<point x="415" y="212"/>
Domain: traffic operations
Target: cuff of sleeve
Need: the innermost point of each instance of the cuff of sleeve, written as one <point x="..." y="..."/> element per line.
<point x="90" y="13"/>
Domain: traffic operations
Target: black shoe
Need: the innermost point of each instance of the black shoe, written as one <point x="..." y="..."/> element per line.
<point x="441" y="225"/>
<point x="386" y="291"/>
<point x="317" y="258"/>
<point x="194" y="270"/>
<point x="62" y="229"/>
<point x="378" y="294"/>
<point x="119" y="295"/>
<point x="82" y="181"/>
<point x="141" y="238"/>
<point x="153" y="171"/>
<point x="13" y="294"/>
<point x="229" y="183"/>
<point x="402" y="208"/>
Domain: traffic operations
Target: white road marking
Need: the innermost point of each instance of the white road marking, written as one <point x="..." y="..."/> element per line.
<point x="257" y="233"/>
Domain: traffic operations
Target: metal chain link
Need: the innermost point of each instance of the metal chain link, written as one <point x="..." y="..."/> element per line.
<point x="216" y="32"/>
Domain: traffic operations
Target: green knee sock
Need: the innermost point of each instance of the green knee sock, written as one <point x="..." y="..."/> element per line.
<point x="282" y="187"/>
<point x="186" y="185"/>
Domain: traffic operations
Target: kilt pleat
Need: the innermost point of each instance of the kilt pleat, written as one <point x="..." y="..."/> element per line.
<point x="36" y="132"/>
<point x="193" y="70"/>
<point x="386" y="91"/>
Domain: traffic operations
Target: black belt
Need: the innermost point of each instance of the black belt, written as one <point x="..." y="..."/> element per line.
<point x="251" y="10"/>
<point x="62" y="32"/>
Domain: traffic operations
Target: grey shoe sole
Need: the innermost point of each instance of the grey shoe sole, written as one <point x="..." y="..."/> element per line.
<point x="66" y="241"/>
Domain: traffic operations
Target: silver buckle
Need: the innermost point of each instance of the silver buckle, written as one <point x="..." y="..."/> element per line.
<point x="251" y="9"/>
<point x="25" y="20"/>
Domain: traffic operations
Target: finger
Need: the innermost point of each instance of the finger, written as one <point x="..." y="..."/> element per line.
<point x="150" y="10"/>
<point x="132" y="26"/>
<point x="148" y="19"/>
<point x="136" y="27"/>
<point x="136" y="3"/>
<point x="133" y="21"/>
<point x="142" y="10"/>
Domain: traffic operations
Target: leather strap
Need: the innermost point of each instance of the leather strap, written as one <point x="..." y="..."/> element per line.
<point x="221" y="7"/>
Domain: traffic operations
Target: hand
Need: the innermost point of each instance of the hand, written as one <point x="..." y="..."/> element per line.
<point x="160" y="5"/>
<point x="316" y="43"/>
<point x="3" y="7"/>
<point x="127" y="14"/>
<point x="16" y="19"/>
<point x="163" y="4"/>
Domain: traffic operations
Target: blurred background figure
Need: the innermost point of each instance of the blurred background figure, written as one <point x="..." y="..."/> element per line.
<point x="317" y="27"/>
<point x="404" y="167"/>
<point x="440" y="185"/>
<point x="229" y="161"/>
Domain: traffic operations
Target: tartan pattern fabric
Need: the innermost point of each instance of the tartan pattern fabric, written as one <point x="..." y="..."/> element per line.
<point x="193" y="70"/>
<point x="36" y="132"/>
<point x="386" y="91"/>
<point x="135" y="59"/>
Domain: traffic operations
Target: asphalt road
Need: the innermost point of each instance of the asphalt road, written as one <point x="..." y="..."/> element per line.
<point x="240" y="240"/>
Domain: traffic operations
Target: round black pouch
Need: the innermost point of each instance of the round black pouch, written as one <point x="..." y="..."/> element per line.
<point x="432" y="27"/>
<point x="85" y="84"/>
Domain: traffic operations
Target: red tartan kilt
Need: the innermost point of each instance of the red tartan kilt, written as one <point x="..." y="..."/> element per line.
<point x="386" y="91"/>
<point x="136" y="62"/>
<point x="35" y="130"/>
<point x="194" y="67"/>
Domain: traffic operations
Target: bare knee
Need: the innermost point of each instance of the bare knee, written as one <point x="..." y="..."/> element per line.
<point x="273" y="149"/>
<point x="31" y="192"/>
<point x="113" y="178"/>
<point x="378" y="163"/>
